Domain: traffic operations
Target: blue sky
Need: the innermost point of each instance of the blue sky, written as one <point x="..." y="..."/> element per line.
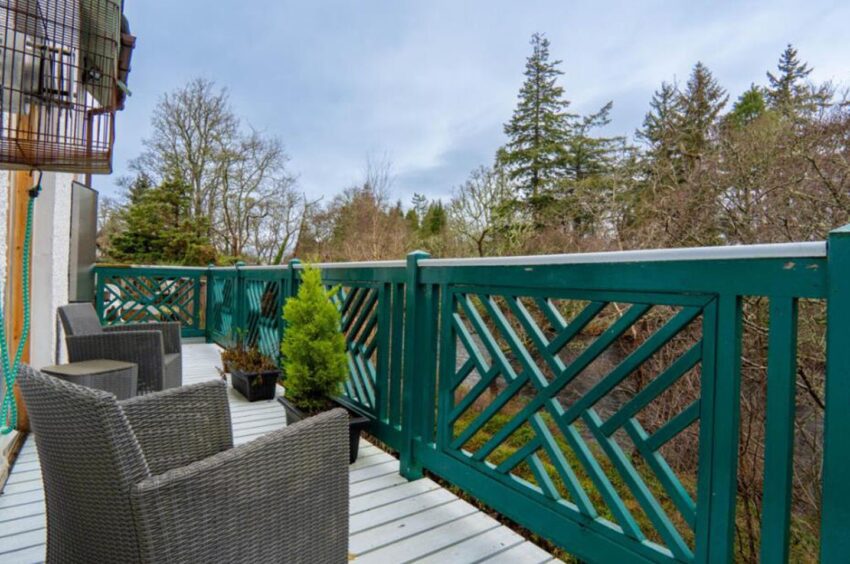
<point x="429" y="84"/>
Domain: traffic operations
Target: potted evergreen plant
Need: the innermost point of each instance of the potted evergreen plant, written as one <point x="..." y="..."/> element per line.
<point x="252" y="374"/>
<point x="315" y="365"/>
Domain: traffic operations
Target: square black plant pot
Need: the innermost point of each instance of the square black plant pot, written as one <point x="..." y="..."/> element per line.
<point x="356" y="424"/>
<point x="255" y="386"/>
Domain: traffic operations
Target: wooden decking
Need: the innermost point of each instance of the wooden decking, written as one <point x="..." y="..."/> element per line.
<point x="391" y="519"/>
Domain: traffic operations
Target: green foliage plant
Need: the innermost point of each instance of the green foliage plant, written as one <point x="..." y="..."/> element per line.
<point x="313" y="346"/>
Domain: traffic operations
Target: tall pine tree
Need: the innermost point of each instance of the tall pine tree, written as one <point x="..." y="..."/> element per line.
<point x="535" y="153"/>
<point x="701" y="103"/>
<point x="789" y="91"/>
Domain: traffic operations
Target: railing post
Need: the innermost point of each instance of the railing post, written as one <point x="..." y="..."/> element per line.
<point x="208" y="306"/>
<point x="98" y="292"/>
<point x="835" y="515"/>
<point x="241" y="299"/>
<point x="414" y="314"/>
<point x="289" y="290"/>
<point x="292" y="278"/>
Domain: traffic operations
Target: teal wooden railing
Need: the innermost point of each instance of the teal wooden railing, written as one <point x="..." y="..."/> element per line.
<point x="499" y="375"/>
<point x="135" y="294"/>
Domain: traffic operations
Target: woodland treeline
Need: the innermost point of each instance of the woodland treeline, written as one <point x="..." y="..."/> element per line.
<point x="706" y="167"/>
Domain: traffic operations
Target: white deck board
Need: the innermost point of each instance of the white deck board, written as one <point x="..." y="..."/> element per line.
<point x="391" y="519"/>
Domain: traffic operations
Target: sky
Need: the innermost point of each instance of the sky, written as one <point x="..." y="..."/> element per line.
<point x="428" y="85"/>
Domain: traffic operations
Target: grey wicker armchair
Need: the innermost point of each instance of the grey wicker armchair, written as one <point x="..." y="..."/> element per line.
<point x="154" y="347"/>
<point x="156" y="478"/>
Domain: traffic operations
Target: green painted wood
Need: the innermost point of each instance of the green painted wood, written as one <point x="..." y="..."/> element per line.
<point x="803" y="277"/>
<point x="655" y="388"/>
<point x="835" y="517"/>
<point x="724" y="432"/>
<point x="406" y="328"/>
<point x="410" y="465"/>
<point x="650" y="505"/>
<point x="666" y="476"/>
<point x="588" y="539"/>
<point x="144" y="294"/>
<point x="396" y="350"/>
<point x="779" y="430"/>
<point x="673" y="427"/>
<point x="708" y="381"/>
<point x="632" y="362"/>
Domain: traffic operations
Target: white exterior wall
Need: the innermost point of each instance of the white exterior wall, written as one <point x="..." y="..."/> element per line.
<point x="6" y="441"/>
<point x="51" y="247"/>
<point x="51" y="243"/>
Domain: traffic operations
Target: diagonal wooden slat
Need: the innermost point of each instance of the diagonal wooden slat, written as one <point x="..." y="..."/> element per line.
<point x="673" y="427"/>
<point x="650" y="505"/>
<point x="655" y="388"/>
<point x="632" y="362"/>
<point x="666" y="477"/>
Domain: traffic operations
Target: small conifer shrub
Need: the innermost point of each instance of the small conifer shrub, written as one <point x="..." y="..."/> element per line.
<point x="313" y="347"/>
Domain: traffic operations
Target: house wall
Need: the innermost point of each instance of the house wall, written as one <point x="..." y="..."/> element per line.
<point x="50" y="261"/>
<point x="50" y="267"/>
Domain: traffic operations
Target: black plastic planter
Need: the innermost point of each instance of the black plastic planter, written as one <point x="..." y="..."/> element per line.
<point x="255" y="386"/>
<point x="356" y="424"/>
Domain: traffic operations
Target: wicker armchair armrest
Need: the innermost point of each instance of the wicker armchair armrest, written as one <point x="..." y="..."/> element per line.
<point x="179" y="426"/>
<point x="283" y="496"/>
<point x="170" y="332"/>
<point x="144" y="348"/>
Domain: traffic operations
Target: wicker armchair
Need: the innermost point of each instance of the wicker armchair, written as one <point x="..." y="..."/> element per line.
<point x="156" y="478"/>
<point x="154" y="347"/>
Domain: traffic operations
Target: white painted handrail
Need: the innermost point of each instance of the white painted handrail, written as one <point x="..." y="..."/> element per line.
<point x="780" y="250"/>
<point x="365" y="264"/>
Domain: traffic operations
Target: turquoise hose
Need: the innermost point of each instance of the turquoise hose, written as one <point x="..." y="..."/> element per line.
<point x="9" y="413"/>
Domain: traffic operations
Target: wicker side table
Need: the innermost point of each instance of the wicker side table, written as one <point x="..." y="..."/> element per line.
<point x="120" y="378"/>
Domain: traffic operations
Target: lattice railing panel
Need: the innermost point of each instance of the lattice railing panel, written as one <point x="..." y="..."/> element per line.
<point x="359" y="309"/>
<point x="124" y="296"/>
<point x="263" y="310"/>
<point x="569" y="401"/>
<point x="222" y="309"/>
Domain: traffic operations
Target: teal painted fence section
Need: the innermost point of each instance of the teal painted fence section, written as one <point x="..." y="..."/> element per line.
<point x="140" y="294"/>
<point x="479" y="371"/>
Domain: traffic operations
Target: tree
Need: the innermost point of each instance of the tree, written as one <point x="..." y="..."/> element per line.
<point x="160" y="228"/>
<point x="659" y="125"/>
<point x="749" y="106"/>
<point x="535" y="153"/>
<point x="789" y="92"/>
<point x="315" y="365"/>
<point x="359" y="224"/>
<point x="701" y="103"/>
<point x="192" y="127"/>
<point x="587" y="155"/>
<point x="237" y="177"/>
<point x="474" y="210"/>
<point x="254" y="182"/>
<point x="435" y="220"/>
<point x="274" y="238"/>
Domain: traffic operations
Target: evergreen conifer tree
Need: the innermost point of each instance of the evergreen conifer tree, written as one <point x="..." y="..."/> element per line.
<point x="538" y="130"/>
<point x="315" y="365"/>
<point x="701" y="103"/>
<point x="788" y="91"/>
<point x="160" y="228"/>
<point x="749" y="106"/>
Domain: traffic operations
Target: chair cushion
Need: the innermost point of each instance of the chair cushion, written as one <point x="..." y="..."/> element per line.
<point x="80" y="319"/>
